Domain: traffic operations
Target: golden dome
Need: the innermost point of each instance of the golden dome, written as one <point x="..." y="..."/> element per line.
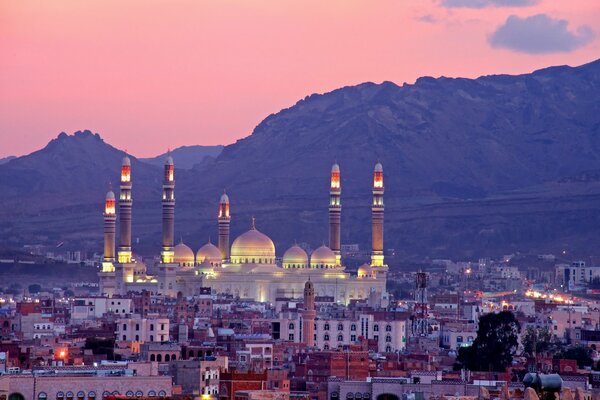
<point x="323" y="257"/>
<point x="209" y="253"/>
<point x="365" y="271"/>
<point x="295" y="257"/>
<point x="183" y="255"/>
<point x="252" y="247"/>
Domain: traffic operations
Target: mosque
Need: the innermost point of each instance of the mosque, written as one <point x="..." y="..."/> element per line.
<point x="249" y="268"/>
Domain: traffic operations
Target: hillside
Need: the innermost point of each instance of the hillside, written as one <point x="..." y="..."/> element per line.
<point x="473" y="167"/>
<point x="187" y="156"/>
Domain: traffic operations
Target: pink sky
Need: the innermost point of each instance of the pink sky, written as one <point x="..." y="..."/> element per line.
<point x="149" y="75"/>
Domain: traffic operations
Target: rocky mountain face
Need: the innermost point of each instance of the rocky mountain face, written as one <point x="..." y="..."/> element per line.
<point x="187" y="156"/>
<point x="473" y="167"/>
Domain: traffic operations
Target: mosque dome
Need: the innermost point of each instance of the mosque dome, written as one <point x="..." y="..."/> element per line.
<point x="323" y="257"/>
<point x="209" y="253"/>
<point x="183" y="255"/>
<point x="252" y="247"/>
<point x="365" y="271"/>
<point x="295" y="257"/>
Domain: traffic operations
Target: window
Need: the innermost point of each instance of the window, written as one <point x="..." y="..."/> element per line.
<point x="159" y="357"/>
<point x="291" y="326"/>
<point x="388" y="339"/>
<point x="42" y="396"/>
<point x="326" y="327"/>
<point x="124" y="337"/>
<point x="376" y="338"/>
<point x="340" y="338"/>
<point x="152" y="338"/>
<point x="60" y="395"/>
<point x="137" y="338"/>
<point x="353" y="327"/>
<point x="375" y="328"/>
<point x="340" y="327"/>
<point x="291" y="336"/>
<point x="162" y="327"/>
<point x="459" y="339"/>
<point x="388" y="328"/>
<point x="388" y="349"/>
<point x="353" y="338"/>
<point x="326" y="337"/>
<point x="124" y="327"/>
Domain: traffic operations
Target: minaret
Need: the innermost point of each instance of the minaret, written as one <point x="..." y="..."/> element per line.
<point x="309" y="314"/>
<point x="335" y="213"/>
<point x="224" y="222"/>
<point x="125" y="202"/>
<point x="110" y="219"/>
<point x="168" y="216"/>
<point x="377" y="216"/>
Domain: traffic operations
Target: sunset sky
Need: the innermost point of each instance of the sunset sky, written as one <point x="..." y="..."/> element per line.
<point x="149" y="75"/>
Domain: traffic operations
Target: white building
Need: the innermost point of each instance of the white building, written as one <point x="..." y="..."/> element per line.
<point x="143" y="329"/>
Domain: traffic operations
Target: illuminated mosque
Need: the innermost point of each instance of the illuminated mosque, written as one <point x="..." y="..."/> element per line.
<point x="249" y="268"/>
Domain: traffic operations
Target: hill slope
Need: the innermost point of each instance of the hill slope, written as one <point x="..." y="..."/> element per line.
<point x="186" y="156"/>
<point x="472" y="167"/>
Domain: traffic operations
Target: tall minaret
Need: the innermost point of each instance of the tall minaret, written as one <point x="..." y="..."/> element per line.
<point x="125" y="202"/>
<point x="168" y="217"/>
<point x="377" y="215"/>
<point x="224" y="222"/>
<point x="335" y="213"/>
<point x="110" y="219"/>
<point x="308" y="315"/>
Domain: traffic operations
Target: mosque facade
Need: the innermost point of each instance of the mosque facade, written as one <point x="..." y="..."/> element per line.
<point x="249" y="267"/>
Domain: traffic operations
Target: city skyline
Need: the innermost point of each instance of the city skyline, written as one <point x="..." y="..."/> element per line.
<point x="208" y="73"/>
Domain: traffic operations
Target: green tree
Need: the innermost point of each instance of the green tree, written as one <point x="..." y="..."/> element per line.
<point x="581" y="354"/>
<point x="539" y="337"/>
<point x="34" y="288"/>
<point x="495" y="345"/>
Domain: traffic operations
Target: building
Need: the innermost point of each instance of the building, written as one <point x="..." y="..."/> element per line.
<point x="140" y="329"/>
<point x="249" y="267"/>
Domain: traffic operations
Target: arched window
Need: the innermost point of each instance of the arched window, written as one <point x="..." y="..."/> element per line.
<point x="80" y="395"/>
<point x="167" y="357"/>
<point x="326" y="337"/>
<point x="152" y="338"/>
<point x="375" y="328"/>
<point x="388" y="349"/>
<point x="174" y="357"/>
<point x="340" y="338"/>
<point x="60" y="395"/>
<point x="129" y="393"/>
<point x="152" y="357"/>
<point x="162" y="393"/>
<point x="91" y="395"/>
<point x="159" y="357"/>
<point x="42" y="396"/>
<point x="151" y="393"/>
<point x="151" y="327"/>
<point x="326" y="347"/>
<point x="326" y="327"/>
<point x="105" y="394"/>
<point x="388" y="339"/>
<point x="340" y="327"/>
<point x="70" y="395"/>
<point x="350" y="396"/>
<point x="137" y="338"/>
<point x="353" y="327"/>
<point x="388" y="328"/>
<point x="291" y="326"/>
<point x="139" y="393"/>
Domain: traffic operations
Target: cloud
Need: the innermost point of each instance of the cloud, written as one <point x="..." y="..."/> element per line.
<point x="487" y="3"/>
<point x="427" y="18"/>
<point x="539" y="34"/>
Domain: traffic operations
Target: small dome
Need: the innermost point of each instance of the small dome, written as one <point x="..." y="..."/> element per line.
<point x="252" y="247"/>
<point x="224" y="198"/>
<point x="335" y="168"/>
<point x="209" y="254"/>
<point x="378" y="167"/>
<point x="295" y="257"/>
<point x="110" y="195"/>
<point x="323" y="257"/>
<point x="169" y="160"/>
<point x="126" y="161"/>
<point x="365" y="271"/>
<point x="183" y="255"/>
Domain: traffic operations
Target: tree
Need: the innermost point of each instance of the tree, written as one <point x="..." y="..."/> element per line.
<point x="34" y="288"/>
<point x="495" y="345"/>
<point x="580" y="354"/>
<point x="539" y="337"/>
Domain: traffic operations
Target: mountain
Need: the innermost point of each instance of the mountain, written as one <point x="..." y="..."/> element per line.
<point x="6" y="159"/>
<point x="186" y="156"/>
<point x="473" y="167"/>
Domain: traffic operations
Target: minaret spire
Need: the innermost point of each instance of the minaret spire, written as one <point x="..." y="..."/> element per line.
<point x="335" y="212"/>
<point x="110" y="218"/>
<point x="125" y="208"/>
<point x="224" y="223"/>
<point x="377" y="217"/>
<point x="168" y="206"/>
<point x="309" y="314"/>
